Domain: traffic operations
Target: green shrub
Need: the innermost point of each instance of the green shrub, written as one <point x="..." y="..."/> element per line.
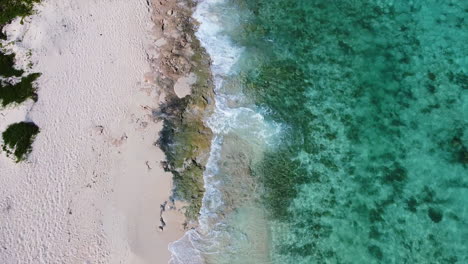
<point x="20" y="92"/>
<point x="18" y="139"/>
<point x="10" y="9"/>
<point x="6" y="66"/>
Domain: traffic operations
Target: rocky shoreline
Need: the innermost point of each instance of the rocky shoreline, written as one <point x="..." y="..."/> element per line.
<point x="185" y="139"/>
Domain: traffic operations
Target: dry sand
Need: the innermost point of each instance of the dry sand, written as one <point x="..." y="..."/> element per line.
<point x="91" y="189"/>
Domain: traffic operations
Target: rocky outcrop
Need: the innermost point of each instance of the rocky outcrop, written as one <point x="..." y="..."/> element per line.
<point x="184" y="138"/>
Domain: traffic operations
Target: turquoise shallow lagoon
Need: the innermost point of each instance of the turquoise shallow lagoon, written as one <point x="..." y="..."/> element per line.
<point x="352" y="146"/>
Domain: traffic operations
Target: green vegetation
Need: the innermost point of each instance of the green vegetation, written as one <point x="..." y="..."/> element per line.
<point x="18" y="138"/>
<point x="17" y="92"/>
<point x="20" y="92"/>
<point x="7" y="66"/>
<point x="10" y="9"/>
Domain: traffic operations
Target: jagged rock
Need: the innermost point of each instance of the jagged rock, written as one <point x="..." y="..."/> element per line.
<point x="184" y="139"/>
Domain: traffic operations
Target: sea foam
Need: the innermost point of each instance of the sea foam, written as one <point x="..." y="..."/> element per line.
<point x="212" y="235"/>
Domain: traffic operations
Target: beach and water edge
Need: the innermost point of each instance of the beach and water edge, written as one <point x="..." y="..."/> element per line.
<point x="276" y="131"/>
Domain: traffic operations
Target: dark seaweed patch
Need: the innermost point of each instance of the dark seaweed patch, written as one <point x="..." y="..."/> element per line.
<point x="302" y="250"/>
<point x="428" y="195"/>
<point x="435" y="215"/>
<point x="375" y="251"/>
<point x="462" y="156"/>
<point x="396" y="174"/>
<point x="412" y="204"/>
<point x="375" y="215"/>
<point x="461" y="79"/>
<point x="280" y="176"/>
<point x="374" y="232"/>
<point x="431" y="76"/>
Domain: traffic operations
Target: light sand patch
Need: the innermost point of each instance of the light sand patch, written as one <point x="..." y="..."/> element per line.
<point x="92" y="188"/>
<point x="183" y="86"/>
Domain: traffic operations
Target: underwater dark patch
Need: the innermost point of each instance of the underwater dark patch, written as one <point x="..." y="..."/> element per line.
<point x="435" y="214"/>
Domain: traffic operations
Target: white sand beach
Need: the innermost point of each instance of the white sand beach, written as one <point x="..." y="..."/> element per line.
<point x="91" y="190"/>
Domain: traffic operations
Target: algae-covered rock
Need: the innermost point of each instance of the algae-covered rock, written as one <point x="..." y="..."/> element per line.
<point x="185" y="139"/>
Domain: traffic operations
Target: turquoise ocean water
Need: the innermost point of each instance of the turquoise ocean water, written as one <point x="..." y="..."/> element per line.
<point x="341" y="133"/>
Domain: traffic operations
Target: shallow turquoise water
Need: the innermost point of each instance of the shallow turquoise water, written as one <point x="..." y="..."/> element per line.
<point x="372" y="162"/>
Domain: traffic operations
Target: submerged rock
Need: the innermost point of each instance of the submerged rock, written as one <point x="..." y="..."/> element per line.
<point x="435" y="215"/>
